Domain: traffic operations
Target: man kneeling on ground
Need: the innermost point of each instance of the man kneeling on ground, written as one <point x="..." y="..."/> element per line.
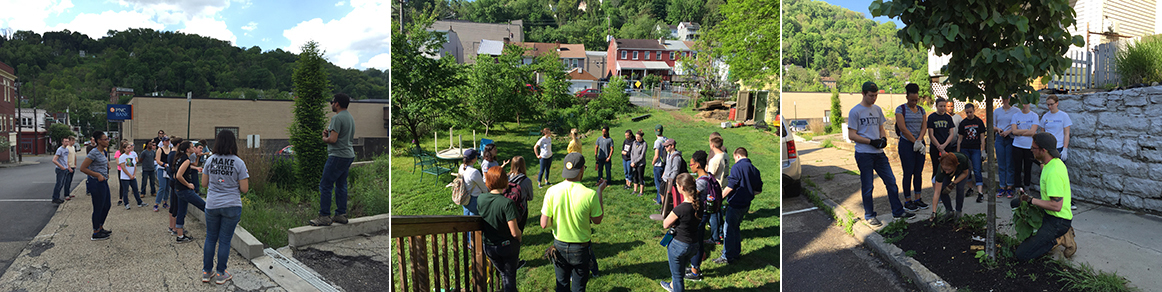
<point x="1055" y="200"/>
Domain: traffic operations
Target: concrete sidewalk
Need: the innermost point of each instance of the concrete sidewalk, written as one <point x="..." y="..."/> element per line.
<point x="1109" y="239"/>
<point x="141" y="255"/>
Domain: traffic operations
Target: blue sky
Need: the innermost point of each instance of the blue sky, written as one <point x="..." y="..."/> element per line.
<point x="861" y="6"/>
<point x="353" y="33"/>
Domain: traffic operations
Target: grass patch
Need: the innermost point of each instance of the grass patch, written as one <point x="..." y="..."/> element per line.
<point x="1084" y="278"/>
<point x="269" y="212"/>
<point x="806" y="135"/>
<point x="827" y="143"/>
<point x="828" y="176"/>
<point x="626" y="242"/>
<point x="910" y="253"/>
<point x="852" y="172"/>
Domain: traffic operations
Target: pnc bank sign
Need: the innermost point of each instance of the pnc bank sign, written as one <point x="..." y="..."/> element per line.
<point x="119" y="112"/>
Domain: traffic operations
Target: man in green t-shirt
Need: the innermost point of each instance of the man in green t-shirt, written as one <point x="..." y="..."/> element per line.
<point x="339" y="157"/>
<point x="1055" y="200"/>
<point x="568" y="209"/>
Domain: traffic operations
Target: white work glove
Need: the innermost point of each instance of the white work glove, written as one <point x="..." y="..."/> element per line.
<point x="918" y="146"/>
<point x="1064" y="154"/>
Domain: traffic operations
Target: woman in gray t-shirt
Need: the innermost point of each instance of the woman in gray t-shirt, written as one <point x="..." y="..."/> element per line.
<point x="225" y="178"/>
<point x="96" y="166"/>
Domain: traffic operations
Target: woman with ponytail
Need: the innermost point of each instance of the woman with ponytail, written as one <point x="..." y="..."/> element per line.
<point x="686" y="219"/>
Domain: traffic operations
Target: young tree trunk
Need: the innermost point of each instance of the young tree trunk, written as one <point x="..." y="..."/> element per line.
<point x="991" y="188"/>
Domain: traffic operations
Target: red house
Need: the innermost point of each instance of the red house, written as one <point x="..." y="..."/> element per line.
<point x="8" y="100"/>
<point x="635" y="58"/>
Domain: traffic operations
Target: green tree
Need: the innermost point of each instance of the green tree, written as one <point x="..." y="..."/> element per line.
<point x="685" y="11"/>
<point x="495" y="91"/>
<point x="996" y="49"/>
<point x="750" y="47"/>
<point x="836" y="119"/>
<point x="56" y="131"/>
<point x="421" y="84"/>
<point x="311" y="88"/>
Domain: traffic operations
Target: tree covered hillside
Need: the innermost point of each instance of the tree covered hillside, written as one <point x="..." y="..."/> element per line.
<point x="69" y="70"/>
<point x="823" y="40"/>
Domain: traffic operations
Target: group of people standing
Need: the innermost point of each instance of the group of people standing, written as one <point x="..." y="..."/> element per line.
<point x="176" y="170"/>
<point x="955" y="148"/>
<point x="702" y="194"/>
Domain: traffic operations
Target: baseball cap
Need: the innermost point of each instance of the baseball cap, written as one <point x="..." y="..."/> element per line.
<point x="669" y="142"/>
<point x="164" y="138"/>
<point x="658" y="130"/>
<point x="870" y="86"/>
<point x="574" y="163"/>
<point x="1042" y="139"/>
<point x="471" y="154"/>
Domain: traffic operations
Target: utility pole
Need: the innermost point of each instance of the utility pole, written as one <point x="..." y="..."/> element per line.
<point x="189" y="110"/>
<point x="20" y="124"/>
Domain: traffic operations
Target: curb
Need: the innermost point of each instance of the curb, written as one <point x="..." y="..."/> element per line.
<point x="305" y="235"/>
<point x="243" y="242"/>
<point x="909" y="267"/>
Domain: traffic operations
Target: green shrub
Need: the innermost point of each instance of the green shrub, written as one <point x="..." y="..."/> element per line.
<point x="282" y="171"/>
<point x="1141" y="62"/>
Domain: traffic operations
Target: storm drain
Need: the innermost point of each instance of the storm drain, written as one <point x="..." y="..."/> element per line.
<point x="297" y="268"/>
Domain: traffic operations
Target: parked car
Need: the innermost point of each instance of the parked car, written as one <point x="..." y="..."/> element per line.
<point x="288" y="151"/>
<point x="590" y="93"/>
<point x="792" y="184"/>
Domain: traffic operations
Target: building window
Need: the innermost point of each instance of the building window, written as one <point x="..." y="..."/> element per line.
<point x="623" y="53"/>
<point x="635" y="55"/>
<point x="671" y="55"/>
<point x="647" y="55"/>
<point x="659" y="55"/>
<point x="231" y="129"/>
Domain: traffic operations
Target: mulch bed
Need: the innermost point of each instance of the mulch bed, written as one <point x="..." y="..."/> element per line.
<point x="947" y="250"/>
<point x="352" y="273"/>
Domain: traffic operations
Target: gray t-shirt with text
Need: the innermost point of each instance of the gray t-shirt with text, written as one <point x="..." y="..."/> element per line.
<point x="224" y="171"/>
<point x="866" y="121"/>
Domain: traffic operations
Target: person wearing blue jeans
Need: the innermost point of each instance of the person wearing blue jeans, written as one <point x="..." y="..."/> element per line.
<point x="743" y="184"/>
<point x="603" y="150"/>
<point x="626" y="159"/>
<point x="225" y="178"/>
<point x="543" y="150"/>
<point x="340" y="154"/>
<point x="60" y="159"/>
<point x="911" y="124"/>
<point x="1003" y="126"/>
<point x="659" y="162"/>
<point x="970" y="142"/>
<point x="186" y="194"/>
<point x="220" y="225"/>
<point x="866" y="128"/>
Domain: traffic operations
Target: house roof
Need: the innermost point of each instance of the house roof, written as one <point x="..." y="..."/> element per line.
<point x="576" y="74"/>
<point x="679" y="45"/>
<point x="640" y="44"/>
<point x="490" y="47"/>
<point x="690" y="25"/>
<point x="563" y="50"/>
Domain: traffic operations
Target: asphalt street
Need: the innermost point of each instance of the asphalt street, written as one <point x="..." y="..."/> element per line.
<point x="821" y="257"/>
<point x="26" y="204"/>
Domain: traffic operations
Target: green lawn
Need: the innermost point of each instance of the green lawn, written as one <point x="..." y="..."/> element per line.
<point x="626" y="243"/>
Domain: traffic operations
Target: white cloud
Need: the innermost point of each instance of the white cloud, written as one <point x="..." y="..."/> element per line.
<point x="209" y="27"/>
<point x="340" y="3"/>
<point x="359" y="35"/>
<point x="97" y="25"/>
<point x="381" y="62"/>
<point x="250" y="26"/>
<point x="30" y="15"/>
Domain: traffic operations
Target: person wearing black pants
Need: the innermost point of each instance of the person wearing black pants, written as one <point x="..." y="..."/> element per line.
<point x="96" y="166"/>
<point x="1024" y="127"/>
<point x="941" y="138"/>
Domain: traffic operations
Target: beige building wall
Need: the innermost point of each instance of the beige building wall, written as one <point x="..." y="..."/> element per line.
<point x="811" y="105"/>
<point x="268" y="118"/>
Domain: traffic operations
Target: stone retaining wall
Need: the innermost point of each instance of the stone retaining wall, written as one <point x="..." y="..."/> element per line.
<point x="1115" y="150"/>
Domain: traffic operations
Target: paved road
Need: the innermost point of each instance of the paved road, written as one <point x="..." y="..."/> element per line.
<point x="25" y="204"/>
<point x="821" y="257"/>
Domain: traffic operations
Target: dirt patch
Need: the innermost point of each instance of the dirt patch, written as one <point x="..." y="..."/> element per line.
<point x="681" y="117"/>
<point x="352" y="273"/>
<point x="947" y="250"/>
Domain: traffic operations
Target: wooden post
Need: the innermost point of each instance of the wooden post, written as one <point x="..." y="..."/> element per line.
<point x="435" y="263"/>
<point x="444" y="246"/>
<point x="402" y="258"/>
<point x="419" y="264"/>
<point x="478" y="254"/>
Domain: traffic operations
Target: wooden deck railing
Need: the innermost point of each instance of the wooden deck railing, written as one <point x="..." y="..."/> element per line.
<point x="433" y="253"/>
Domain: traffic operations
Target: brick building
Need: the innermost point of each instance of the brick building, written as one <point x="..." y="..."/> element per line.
<point x="8" y="100"/>
<point x="636" y="58"/>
